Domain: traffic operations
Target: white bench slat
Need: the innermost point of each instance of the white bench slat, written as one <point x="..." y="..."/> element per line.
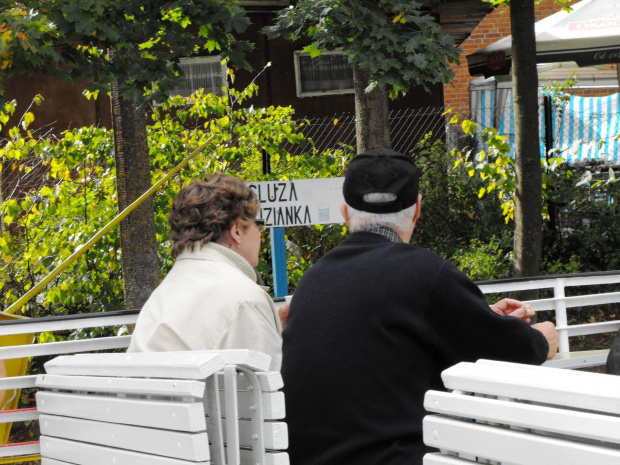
<point x="80" y="453"/>
<point x="64" y="347"/>
<point x="511" y="446"/>
<point x="139" y="412"/>
<point x="14" y="416"/>
<point x="153" y="387"/>
<point x="196" y="365"/>
<point x="47" y="461"/>
<point x="14" y="450"/>
<point x="440" y="459"/>
<point x="271" y="458"/>
<point x="214" y="421"/>
<point x="555" y="420"/>
<point x="269" y="381"/>
<point x="185" y="446"/>
<point x="272" y="402"/>
<point x="577" y="389"/>
<point x="275" y="434"/>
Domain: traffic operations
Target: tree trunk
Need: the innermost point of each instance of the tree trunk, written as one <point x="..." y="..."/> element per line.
<point x="372" y="114"/>
<point x="528" y="171"/>
<point x="133" y="178"/>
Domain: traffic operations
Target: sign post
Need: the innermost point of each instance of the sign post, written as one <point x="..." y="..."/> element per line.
<point x="296" y="202"/>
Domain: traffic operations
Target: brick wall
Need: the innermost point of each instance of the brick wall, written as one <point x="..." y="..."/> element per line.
<point x="493" y="27"/>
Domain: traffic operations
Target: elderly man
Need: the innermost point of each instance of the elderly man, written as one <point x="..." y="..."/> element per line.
<point x="374" y="323"/>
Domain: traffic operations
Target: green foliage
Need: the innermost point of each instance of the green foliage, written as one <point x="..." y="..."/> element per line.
<point x="588" y="218"/>
<point x="43" y="226"/>
<point x="26" y="39"/>
<point x="495" y="167"/>
<point x="584" y="200"/>
<point x="399" y="42"/>
<point x="558" y="90"/>
<point x="146" y="39"/>
<point x="452" y="213"/>
<point x="483" y="261"/>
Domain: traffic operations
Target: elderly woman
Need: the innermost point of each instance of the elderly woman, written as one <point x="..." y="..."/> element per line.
<point x="210" y="299"/>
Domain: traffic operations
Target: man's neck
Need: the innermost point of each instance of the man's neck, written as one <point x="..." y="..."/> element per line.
<point x="382" y="230"/>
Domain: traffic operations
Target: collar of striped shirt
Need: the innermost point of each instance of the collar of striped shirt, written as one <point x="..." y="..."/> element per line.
<point x="380" y="229"/>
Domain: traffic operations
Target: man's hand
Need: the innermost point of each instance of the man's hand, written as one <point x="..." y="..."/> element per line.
<point x="551" y="334"/>
<point x="511" y="307"/>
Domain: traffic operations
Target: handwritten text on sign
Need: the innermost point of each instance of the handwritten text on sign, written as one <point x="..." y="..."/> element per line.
<point x="299" y="202"/>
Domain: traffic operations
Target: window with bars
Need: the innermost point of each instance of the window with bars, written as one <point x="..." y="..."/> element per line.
<point x="206" y="73"/>
<point x="329" y="73"/>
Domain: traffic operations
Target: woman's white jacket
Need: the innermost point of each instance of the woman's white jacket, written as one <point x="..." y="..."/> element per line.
<point x="209" y="300"/>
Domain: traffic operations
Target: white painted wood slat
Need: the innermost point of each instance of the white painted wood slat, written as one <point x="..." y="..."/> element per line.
<point x="153" y="387"/>
<point x="180" y="445"/>
<point x="538" y="417"/>
<point x="14" y="450"/>
<point x="184" y="365"/>
<point x="577" y="389"/>
<point x="272" y="402"/>
<point x="34" y="326"/>
<point x="213" y="408"/>
<point x="17" y="382"/>
<point x="570" y="360"/>
<point x="510" y="446"/>
<point x="275" y="434"/>
<point x="139" y="412"/>
<point x="440" y="459"/>
<point x="80" y="453"/>
<point x="271" y="458"/>
<point x="250" y="359"/>
<point x="47" y="461"/>
<point x="230" y="429"/>
<point x="14" y="416"/>
<point x="64" y="347"/>
<point x="269" y="381"/>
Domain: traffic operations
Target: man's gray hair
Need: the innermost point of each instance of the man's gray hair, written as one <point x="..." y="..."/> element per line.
<point x="400" y="221"/>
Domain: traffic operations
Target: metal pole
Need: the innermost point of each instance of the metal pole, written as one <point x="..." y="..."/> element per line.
<point x="278" y="248"/>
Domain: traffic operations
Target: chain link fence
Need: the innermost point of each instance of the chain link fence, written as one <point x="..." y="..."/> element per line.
<point x="407" y="128"/>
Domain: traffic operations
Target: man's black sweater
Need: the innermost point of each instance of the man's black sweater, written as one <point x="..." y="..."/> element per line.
<point x="371" y="327"/>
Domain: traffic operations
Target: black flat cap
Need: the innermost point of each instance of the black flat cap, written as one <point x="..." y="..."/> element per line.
<point x="381" y="171"/>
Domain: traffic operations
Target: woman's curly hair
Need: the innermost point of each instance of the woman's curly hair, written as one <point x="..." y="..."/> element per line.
<point x="204" y="210"/>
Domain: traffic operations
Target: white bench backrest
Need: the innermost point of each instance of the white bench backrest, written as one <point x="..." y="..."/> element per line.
<point x="521" y="414"/>
<point x="162" y="408"/>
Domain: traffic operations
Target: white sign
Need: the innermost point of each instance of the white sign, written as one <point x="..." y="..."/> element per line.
<point x="299" y="202"/>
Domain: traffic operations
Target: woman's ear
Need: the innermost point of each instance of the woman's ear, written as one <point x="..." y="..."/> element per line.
<point x="234" y="234"/>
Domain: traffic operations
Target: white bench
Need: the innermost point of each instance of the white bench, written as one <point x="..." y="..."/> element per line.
<point x="506" y="413"/>
<point x="169" y="408"/>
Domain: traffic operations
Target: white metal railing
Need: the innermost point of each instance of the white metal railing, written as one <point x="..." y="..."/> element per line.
<point x="561" y="305"/>
<point x="16" y="453"/>
<point x="558" y="303"/>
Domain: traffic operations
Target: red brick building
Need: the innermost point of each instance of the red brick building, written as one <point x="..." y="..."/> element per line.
<point x="493" y="27"/>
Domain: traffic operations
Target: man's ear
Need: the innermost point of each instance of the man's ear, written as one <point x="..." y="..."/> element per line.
<point x="344" y="210"/>
<point x="418" y="208"/>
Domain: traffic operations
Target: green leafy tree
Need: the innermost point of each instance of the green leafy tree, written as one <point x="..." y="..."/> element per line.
<point x="528" y="181"/>
<point x="392" y="45"/>
<point x="80" y="192"/>
<point x="124" y="47"/>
